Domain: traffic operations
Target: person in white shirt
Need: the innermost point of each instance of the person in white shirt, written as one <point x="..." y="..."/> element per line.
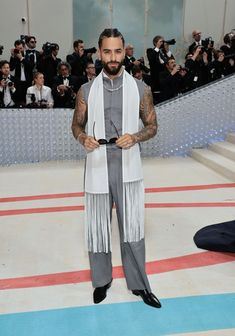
<point x="39" y="95"/>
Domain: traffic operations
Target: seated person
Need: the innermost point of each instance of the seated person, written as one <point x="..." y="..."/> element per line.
<point x="138" y="73"/>
<point x="90" y="74"/>
<point x="171" y="80"/>
<point x="7" y="86"/>
<point x="65" y="87"/>
<point x="39" y="95"/>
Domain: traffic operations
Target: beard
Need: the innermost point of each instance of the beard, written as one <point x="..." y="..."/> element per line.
<point x="112" y="70"/>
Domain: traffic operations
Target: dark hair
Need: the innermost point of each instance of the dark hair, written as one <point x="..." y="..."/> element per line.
<point x="66" y="64"/>
<point x="156" y="39"/>
<point x="18" y="42"/>
<point x="3" y="62"/>
<point x="227" y="38"/>
<point x="28" y="38"/>
<point x="136" y="69"/>
<point x="110" y="32"/>
<point x="76" y="43"/>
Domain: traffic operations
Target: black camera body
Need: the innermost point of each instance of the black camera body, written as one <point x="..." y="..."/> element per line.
<point x="1" y="49"/>
<point x="170" y="42"/>
<point x="90" y="50"/>
<point x="48" y="47"/>
<point x="207" y="42"/>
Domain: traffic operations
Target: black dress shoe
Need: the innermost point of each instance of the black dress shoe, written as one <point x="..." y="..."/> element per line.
<point x="100" y="292"/>
<point x="148" y="298"/>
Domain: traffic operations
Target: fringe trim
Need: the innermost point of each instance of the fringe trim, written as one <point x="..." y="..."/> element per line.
<point x="133" y="211"/>
<point x="98" y="228"/>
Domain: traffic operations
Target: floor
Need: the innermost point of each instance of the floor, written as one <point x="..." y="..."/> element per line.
<point x="45" y="287"/>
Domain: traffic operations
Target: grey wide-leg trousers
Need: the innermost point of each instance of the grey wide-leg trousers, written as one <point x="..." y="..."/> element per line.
<point x="133" y="254"/>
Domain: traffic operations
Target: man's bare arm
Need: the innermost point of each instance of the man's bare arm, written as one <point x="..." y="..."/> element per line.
<point x="79" y="123"/>
<point x="148" y="117"/>
<point x="79" y="117"/>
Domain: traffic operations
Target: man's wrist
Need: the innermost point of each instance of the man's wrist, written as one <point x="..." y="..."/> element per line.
<point x="81" y="137"/>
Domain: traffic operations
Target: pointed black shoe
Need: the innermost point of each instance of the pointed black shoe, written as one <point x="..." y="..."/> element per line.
<point x="148" y="298"/>
<point x="100" y="292"/>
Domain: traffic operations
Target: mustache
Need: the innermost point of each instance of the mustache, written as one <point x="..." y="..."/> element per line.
<point x="114" y="62"/>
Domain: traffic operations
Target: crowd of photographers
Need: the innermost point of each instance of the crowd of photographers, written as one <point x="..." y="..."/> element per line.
<point x="41" y="79"/>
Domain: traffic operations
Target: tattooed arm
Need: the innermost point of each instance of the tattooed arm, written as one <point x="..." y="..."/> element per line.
<point x="79" y="123"/>
<point x="148" y="117"/>
<point x="79" y="117"/>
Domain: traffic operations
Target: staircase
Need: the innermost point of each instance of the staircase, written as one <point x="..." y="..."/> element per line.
<point x="220" y="156"/>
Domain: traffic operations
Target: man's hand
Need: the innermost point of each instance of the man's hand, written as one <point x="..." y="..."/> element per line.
<point x="88" y="142"/>
<point x="126" y="141"/>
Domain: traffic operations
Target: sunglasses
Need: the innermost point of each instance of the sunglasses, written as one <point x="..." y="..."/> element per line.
<point x="104" y="141"/>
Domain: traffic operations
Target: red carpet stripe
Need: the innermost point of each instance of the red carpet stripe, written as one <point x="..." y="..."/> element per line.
<point x="147" y="190"/>
<point x="191" y="187"/>
<point x="195" y="260"/>
<point x="147" y="205"/>
<point x="40" y="197"/>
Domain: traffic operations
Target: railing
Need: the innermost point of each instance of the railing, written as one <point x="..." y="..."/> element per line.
<point x="192" y="120"/>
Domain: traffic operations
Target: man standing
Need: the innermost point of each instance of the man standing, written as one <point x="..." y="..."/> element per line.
<point x="111" y="106"/>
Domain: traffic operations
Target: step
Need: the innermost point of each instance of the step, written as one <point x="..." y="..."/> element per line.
<point x="224" y="148"/>
<point x="217" y="162"/>
<point x="231" y="137"/>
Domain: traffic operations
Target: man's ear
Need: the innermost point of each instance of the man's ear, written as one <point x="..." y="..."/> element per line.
<point x="98" y="53"/>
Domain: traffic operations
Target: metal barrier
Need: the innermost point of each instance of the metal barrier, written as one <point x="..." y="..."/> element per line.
<point x="192" y="120"/>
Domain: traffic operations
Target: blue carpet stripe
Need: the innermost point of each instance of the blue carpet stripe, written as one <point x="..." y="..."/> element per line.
<point x="178" y="315"/>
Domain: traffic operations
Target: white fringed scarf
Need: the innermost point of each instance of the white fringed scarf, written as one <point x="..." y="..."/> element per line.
<point x="97" y="202"/>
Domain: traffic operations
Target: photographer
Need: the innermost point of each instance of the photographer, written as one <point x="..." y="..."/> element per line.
<point x="197" y="65"/>
<point x="206" y="45"/>
<point x="23" y="71"/>
<point x="49" y="62"/>
<point x="79" y="58"/>
<point x="130" y="60"/>
<point x="65" y="87"/>
<point x="217" y="68"/>
<point x="156" y="62"/>
<point x="7" y="86"/>
<point x="172" y="80"/>
<point x="39" y="95"/>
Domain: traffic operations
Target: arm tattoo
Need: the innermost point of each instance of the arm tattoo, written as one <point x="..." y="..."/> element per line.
<point x="80" y="115"/>
<point x="148" y="117"/>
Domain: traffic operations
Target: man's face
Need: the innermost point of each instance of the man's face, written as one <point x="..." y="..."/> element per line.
<point x="5" y="69"/>
<point x="19" y="47"/>
<point x="80" y="47"/>
<point x="129" y="51"/>
<point x="32" y="43"/>
<point x="159" y="43"/>
<point x="171" y="64"/>
<point x="139" y="75"/>
<point x="112" y="55"/>
<point x="197" y="37"/>
<point x="64" y="71"/>
<point x="90" y="70"/>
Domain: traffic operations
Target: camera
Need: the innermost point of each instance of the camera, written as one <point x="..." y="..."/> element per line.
<point x="170" y="42"/>
<point x="48" y="47"/>
<point x="9" y="83"/>
<point x="16" y="51"/>
<point x="90" y="50"/>
<point x="207" y="42"/>
<point x="1" y="49"/>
